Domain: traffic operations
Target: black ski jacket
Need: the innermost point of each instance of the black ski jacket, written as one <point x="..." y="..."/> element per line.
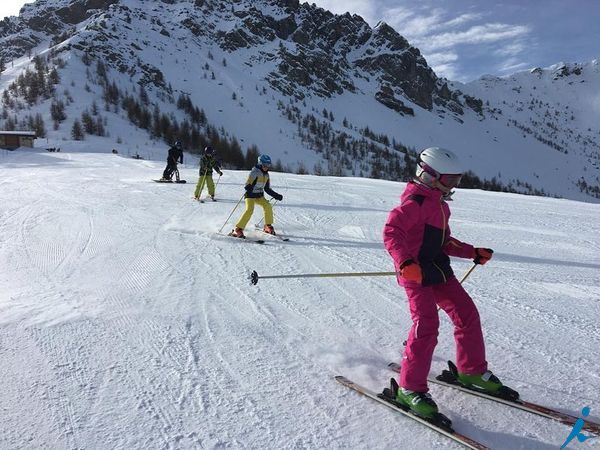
<point x="175" y="154"/>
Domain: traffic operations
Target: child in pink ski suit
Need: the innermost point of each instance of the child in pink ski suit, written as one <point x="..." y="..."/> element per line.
<point x="418" y="238"/>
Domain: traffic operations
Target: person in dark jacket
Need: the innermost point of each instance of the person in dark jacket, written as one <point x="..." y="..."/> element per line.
<point x="257" y="184"/>
<point x="207" y="164"/>
<point x="175" y="154"/>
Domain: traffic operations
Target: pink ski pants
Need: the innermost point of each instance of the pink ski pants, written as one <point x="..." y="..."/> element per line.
<point x="422" y="339"/>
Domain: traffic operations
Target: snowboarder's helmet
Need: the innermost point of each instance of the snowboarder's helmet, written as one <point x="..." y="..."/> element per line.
<point x="441" y="165"/>
<point x="178" y="144"/>
<point x="208" y="150"/>
<point x="264" y="160"/>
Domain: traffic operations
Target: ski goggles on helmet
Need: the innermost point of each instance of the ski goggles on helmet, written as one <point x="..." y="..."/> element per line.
<point x="449" y="180"/>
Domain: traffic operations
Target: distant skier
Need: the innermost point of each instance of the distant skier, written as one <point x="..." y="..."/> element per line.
<point x="417" y="236"/>
<point x="256" y="185"/>
<point x="207" y="164"/>
<point x="175" y="154"/>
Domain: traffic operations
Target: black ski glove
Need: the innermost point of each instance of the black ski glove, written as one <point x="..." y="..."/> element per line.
<point x="278" y="197"/>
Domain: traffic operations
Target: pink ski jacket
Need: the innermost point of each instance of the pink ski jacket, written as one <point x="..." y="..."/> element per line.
<point x="418" y="229"/>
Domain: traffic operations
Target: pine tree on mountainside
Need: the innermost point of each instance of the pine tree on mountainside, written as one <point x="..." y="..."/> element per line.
<point x="88" y="123"/>
<point x="252" y="155"/>
<point x="143" y="96"/>
<point x="100" y="129"/>
<point x="234" y="155"/>
<point x="10" y="124"/>
<point x="77" y="131"/>
<point x="57" y="111"/>
<point x="36" y="123"/>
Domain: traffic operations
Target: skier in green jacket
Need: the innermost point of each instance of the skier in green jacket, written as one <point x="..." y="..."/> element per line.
<point x="207" y="164"/>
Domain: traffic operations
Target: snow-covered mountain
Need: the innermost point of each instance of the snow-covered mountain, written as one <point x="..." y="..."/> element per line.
<point x="558" y="106"/>
<point x="126" y="322"/>
<point x="322" y="93"/>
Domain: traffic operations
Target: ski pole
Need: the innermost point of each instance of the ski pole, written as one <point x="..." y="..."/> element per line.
<point x="203" y="179"/>
<point x="254" y="277"/>
<point x="232" y="211"/>
<point x="466" y="275"/>
<point x="217" y="185"/>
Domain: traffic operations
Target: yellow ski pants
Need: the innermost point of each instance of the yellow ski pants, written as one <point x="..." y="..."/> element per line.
<point x="250" y="203"/>
<point x="205" y="179"/>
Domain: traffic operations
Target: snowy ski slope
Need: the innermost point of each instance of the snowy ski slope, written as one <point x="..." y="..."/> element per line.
<point x="126" y="322"/>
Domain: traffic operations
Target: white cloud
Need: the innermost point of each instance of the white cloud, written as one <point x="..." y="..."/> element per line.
<point x="512" y="65"/>
<point x="397" y="16"/>
<point x="462" y="19"/>
<point x="444" y="64"/>
<point x="415" y="26"/>
<point x="478" y="34"/>
<point x="442" y="58"/>
<point x="510" y="49"/>
<point x="411" y="25"/>
<point x="449" y="71"/>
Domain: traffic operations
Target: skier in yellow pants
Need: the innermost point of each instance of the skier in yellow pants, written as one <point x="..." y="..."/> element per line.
<point x="256" y="185"/>
<point x="207" y="164"/>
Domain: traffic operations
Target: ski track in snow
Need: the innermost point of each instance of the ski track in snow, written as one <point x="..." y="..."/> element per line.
<point x="126" y="322"/>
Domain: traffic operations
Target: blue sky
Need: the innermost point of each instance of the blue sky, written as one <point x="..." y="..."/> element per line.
<point x="464" y="39"/>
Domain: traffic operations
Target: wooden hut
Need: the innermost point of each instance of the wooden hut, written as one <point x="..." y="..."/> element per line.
<point x="15" y="139"/>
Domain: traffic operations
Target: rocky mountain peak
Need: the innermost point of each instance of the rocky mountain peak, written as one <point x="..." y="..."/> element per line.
<point x="324" y="54"/>
<point x="317" y="53"/>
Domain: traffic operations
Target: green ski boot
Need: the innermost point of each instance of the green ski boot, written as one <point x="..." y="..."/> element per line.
<point x="485" y="382"/>
<point x="489" y="384"/>
<point x="420" y="403"/>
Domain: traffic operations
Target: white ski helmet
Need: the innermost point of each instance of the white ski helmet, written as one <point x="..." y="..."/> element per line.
<point x="436" y="163"/>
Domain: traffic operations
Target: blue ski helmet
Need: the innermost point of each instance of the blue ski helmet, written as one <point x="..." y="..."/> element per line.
<point x="264" y="160"/>
<point x="208" y="150"/>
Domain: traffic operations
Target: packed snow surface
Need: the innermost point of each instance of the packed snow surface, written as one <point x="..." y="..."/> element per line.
<point x="127" y="322"/>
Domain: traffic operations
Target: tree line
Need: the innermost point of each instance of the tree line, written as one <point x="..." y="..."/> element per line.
<point x="350" y="150"/>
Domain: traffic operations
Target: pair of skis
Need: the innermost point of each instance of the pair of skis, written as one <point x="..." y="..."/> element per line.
<point x="202" y="200"/>
<point x="244" y="239"/>
<point x="260" y="241"/>
<point x="257" y="227"/>
<point x="448" y="379"/>
<point x="446" y="431"/>
<point x="273" y="236"/>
